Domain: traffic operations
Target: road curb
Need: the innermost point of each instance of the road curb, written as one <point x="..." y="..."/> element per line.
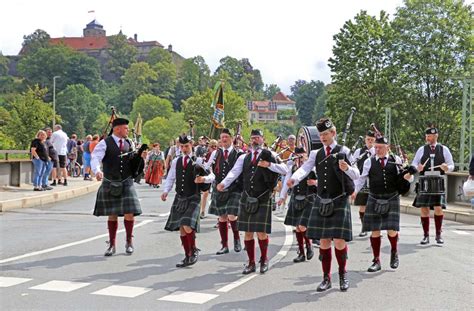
<point x="462" y="217"/>
<point x="49" y="198"/>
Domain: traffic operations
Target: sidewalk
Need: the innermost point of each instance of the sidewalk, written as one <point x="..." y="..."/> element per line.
<point x="24" y="196"/>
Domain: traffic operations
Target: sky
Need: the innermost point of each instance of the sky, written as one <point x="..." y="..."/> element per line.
<point x="286" y="40"/>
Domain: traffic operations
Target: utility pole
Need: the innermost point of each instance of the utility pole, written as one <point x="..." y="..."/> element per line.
<point x="54" y="100"/>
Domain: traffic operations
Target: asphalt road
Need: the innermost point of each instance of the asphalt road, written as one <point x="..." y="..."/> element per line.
<point x="51" y="258"/>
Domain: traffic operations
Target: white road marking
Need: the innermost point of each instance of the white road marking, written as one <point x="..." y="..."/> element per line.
<point x="52" y="249"/>
<point x="122" y="291"/>
<point x="10" y="281"/>
<point x="235" y="284"/>
<point x="189" y="297"/>
<point x="60" y="286"/>
<point x="461" y="232"/>
<point x="164" y="215"/>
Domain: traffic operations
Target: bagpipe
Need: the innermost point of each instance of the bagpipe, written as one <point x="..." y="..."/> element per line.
<point x="198" y="162"/>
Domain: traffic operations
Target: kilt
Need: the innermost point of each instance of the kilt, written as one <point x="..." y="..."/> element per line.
<point x="260" y="221"/>
<point x="296" y="217"/>
<point x="376" y="222"/>
<point x="189" y="217"/>
<point x="230" y="207"/>
<point x="428" y="200"/>
<point x="107" y="204"/>
<point x="336" y="226"/>
<point x="361" y="199"/>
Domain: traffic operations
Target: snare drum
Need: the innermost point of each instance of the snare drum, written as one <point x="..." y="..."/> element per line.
<point x="431" y="185"/>
<point x="308" y="138"/>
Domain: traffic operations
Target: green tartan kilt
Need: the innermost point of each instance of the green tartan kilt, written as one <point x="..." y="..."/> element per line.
<point x="260" y="221"/>
<point x="336" y="226"/>
<point x="429" y="200"/>
<point x="109" y="205"/>
<point x="376" y="222"/>
<point x="189" y="217"/>
<point x="296" y="217"/>
<point x="229" y="207"/>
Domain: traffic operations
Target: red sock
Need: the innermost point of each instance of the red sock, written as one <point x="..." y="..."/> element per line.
<point x="306" y="239"/>
<point x="263" y="249"/>
<point x="425" y="223"/>
<point x="129" y="229"/>
<point x="438" y="223"/>
<point x="341" y="256"/>
<point x="235" y="229"/>
<point x="250" y="247"/>
<point x="300" y="238"/>
<point x="375" y="243"/>
<point x="326" y="257"/>
<point x="361" y="215"/>
<point x="223" y="231"/>
<point x="191" y="242"/>
<point x="393" y="242"/>
<point x="185" y="243"/>
<point x="112" y="225"/>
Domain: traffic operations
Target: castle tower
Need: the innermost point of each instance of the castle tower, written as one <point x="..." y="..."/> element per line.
<point x="94" y="29"/>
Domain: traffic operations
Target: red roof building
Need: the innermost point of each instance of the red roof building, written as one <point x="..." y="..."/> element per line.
<point x="267" y="111"/>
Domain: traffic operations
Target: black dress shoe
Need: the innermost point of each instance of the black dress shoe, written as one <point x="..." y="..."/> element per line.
<point x="54" y="183"/>
<point x="317" y="242"/>
<point x="263" y="266"/>
<point x="325" y="284"/>
<point x="394" y="262"/>
<point x="193" y="258"/>
<point x="129" y="248"/>
<point x="375" y="266"/>
<point x="249" y="268"/>
<point x="309" y="251"/>
<point x="183" y="263"/>
<point x="301" y="257"/>
<point x="439" y="239"/>
<point x="223" y="250"/>
<point x="343" y="282"/>
<point x="237" y="246"/>
<point x="362" y="234"/>
<point x="426" y="240"/>
<point x="110" y="251"/>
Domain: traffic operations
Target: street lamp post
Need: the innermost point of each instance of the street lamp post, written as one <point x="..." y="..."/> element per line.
<point x="54" y="100"/>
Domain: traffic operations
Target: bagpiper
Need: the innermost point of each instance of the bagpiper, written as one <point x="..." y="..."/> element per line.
<point x="260" y="173"/>
<point x="383" y="204"/>
<point x="330" y="218"/>
<point x="225" y="204"/>
<point x="432" y="157"/>
<point x="184" y="214"/>
<point x="359" y="157"/>
<point x="300" y="205"/>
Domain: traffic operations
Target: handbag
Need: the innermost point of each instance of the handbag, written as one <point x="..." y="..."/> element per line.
<point x="468" y="188"/>
<point x="251" y="205"/>
<point x="326" y="207"/>
<point x="182" y="205"/>
<point x="300" y="202"/>
<point x="381" y="206"/>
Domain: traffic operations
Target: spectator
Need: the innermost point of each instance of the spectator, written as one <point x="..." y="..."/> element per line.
<point x="72" y="152"/>
<point x="201" y="149"/>
<point x="80" y="152"/>
<point x="154" y="169"/>
<point x="59" y="140"/>
<point x="94" y="142"/>
<point x="212" y="146"/>
<point x="39" y="151"/>
<point x="54" y="163"/>
<point x="87" y="157"/>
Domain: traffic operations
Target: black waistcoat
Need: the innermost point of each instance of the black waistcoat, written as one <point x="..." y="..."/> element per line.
<point x="302" y="187"/>
<point x="383" y="181"/>
<point x="329" y="175"/>
<point x="185" y="185"/>
<point x="438" y="160"/>
<point x="115" y="167"/>
<point x="360" y="163"/>
<point x="254" y="180"/>
<point x="221" y="167"/>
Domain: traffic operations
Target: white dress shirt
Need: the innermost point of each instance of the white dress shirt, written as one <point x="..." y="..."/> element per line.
<point x="212" y="158"/>
<point x="235" y="172"/>
<point x="99" y="152"/>
<point x="356" y="154"/>
<point x="59" y="140"/>
<point x="305" y="169"/>
<point x="448" y="158"/>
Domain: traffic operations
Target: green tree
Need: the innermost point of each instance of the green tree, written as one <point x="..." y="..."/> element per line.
<point x="28" y="113"/>
<point x="305" y="95"/>
<point x="193" y="76"/>
<point x="151" y="106"/>
<point x="270" y="90"/>
<point x="79" y="108"/>
<point x="136" y="81"/>
<point x="34" y="41"/>
<point x="165" y="84"/>
<point x="158" y="55"/>
<point x="121" y="54"/>
<point x="162" y="129"/>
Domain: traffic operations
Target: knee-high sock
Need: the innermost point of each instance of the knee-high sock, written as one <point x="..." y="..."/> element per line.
<point x="306" y="239"/>
<point x="299" y="239"/>
<point x="438" y="223"/>
<point x="185" y="243"/>
<point x="393" y="243"/>
<point x="235" y="229"/>
<point x="263" y="249"/>
<point x="326" y="257"/>
<point x="375" y="243"/>
<point x="223" y="229"/>
<point x="425" y="223"/>
<point x="191" y="242"/>
<point x="250" y="247"/>
<point x="129" y="229"/>
<point x="361" y="216"/>
<point x="112" y="226"/>
<point x="341" y="256"/>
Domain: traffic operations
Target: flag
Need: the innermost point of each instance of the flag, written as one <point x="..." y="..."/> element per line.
<point x="217" y="117"/>
<point x="91" y="11"/>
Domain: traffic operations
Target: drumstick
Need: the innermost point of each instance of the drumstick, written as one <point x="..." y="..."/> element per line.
<point x="426" y="162"/>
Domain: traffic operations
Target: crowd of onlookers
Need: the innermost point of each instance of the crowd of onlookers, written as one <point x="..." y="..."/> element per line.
<point x="58" y="156"/>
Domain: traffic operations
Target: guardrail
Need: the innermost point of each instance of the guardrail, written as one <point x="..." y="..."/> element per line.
<point x="15" y="171"/>
<point x="8" y="152"/>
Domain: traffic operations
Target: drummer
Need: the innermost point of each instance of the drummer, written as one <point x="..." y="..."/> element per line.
<point x="443" y="162"/>
<point x="359" y="157"/>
